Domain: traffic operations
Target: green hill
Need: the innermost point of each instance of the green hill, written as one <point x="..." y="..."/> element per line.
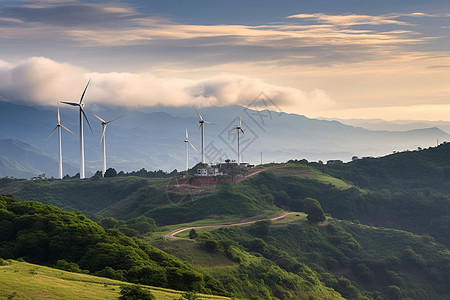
<point x="49" y="236"/>
<point x="396" y="211"/>
<point x="22" y="280"/>
<point x="358" y="261"/>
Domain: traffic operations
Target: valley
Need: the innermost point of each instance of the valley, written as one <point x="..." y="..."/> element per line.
<point x="289" y="230"/>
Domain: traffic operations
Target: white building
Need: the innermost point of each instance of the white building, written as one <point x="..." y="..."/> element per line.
<point x="209" y="172"/>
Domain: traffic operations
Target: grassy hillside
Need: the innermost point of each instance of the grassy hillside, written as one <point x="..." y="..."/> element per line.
<point x="406" y="192"/>
<point x="22" y="280"/>
<point x="88" y="196"/>
<point x="358" y="261"/>
<point x="47" y="235"/>
<point x="410" y="170"/>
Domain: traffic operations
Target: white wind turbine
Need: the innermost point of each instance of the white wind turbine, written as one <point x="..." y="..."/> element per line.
<point x="239" y="129"/>
<point x="202" y="122"/>
<point x="186" y="141"/>
<point x="104" y="123"/>
<point x="58" y="126"/>
<point x="82" y="114"/>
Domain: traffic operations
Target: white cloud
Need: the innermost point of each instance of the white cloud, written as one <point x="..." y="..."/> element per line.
<point x="351" y="20"/>
<point x="40" y="80"/>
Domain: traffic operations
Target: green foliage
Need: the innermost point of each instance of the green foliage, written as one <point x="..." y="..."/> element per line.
<point x="109" y="223"/>
<point x="193" y="234"/>
<point x="3" y="262"/>
<point x="261" y="228"/>
<point x="314" y="210"/>
<point x="138" y="226"/>
<point x="109" y="272"/>
<point x="210" y="245"/>
<point x="69" y="266"/>
<point x="45" y="234"/>
<point x="111" y="172"/>
<point x="376" y="262"/>
<point x="135" y="292"/>
<point x="88" y="196"/>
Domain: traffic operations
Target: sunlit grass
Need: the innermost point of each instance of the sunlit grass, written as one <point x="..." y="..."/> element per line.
<point x="21" y="280"/>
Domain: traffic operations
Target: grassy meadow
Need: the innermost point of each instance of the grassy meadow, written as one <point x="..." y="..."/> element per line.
<point x="21" y="280"/>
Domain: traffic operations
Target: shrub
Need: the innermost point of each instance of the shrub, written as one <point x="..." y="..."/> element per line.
<point x="109" y="272"/>
<point x="135" y="292"/>
<point x="210" y="245"/>
<point x="69" y="266"/>
<point x="193" y="234"/>
<point x="314" y="210"/>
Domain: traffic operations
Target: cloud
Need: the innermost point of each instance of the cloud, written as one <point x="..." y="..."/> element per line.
<point x="352" y="20"/>
<point x="42" y="81"/>
<point x="110" y="25"/>
<point x="73" y="14"/>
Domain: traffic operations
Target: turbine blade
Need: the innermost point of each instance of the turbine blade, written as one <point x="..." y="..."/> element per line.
<point x="199" y="128"/>
<point x="84" y="92"/>
<point x="232" y="129"/>
<point x="67" y="129"/>
<point x="82" y="110"/>
<point x="51" y="133"/>
<point x="181" y="142"/>
<point x="198" y="113"/>
<point x="240" y="121"/>
<point x="187" y="135"/>
<point x="192" y="145"/>
<point x="70" y="103"/>
<point x="243" y="132"/>
<point x="57" y="108"/>
<point x="101" y="120"/>
<point x="209" y="123"/>
<point x="103" y="133"/>
<point x="113" y="119"/>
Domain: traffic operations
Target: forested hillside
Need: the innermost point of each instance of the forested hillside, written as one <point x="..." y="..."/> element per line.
<point x="386" y="235"/>
<point x="47" y="235"/>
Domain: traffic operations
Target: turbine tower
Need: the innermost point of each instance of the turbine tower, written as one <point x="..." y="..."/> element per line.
<point x="202" y="122"/>
<point x="186" y="141"/>
<point x="104" y="123"/>
<point x="58" y="126"/>
<point x="239" y="129"/>
<point x="82" y="114"/>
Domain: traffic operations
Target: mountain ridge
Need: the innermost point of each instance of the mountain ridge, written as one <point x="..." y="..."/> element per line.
<point x="148" y="137"/>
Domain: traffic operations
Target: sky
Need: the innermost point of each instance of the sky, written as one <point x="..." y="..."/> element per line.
<point x="326" y="58"/>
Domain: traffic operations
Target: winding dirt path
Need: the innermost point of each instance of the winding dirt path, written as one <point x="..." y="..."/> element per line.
<point x="240" y="223"/>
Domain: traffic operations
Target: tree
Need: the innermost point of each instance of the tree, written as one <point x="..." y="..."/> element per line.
<point x="193" y="234"/>
<point x="135" y="292"/>
<point x="314" y="210"/>
<point x="111" y="172"/>
<point x="141" y="224"/>
<point x="109" y="223"/>
<point x="97" y="174"/>
<point x="261" y="228"/>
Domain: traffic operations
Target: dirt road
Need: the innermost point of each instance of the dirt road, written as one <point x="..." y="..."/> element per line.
<point x="240" y="223"/>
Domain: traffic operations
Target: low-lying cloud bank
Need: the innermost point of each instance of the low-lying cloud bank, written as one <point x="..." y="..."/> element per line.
<point x="42" y="81"/>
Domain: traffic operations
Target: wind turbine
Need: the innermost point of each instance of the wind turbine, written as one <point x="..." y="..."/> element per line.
<point x="82" y="114"/>
<point x="103" y="139"/>
<point x="239" y="129"/>
<point x="202" y="122"/>
<point x="58" y="126"/>
<point x="186" y="141"/>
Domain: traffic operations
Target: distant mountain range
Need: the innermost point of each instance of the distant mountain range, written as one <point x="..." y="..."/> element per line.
<point x="148" y="138"/>
<point x="21" y="160"/>
<point x="396" y="125"/>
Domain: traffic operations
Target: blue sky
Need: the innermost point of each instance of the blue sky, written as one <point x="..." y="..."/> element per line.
<point x="344" y="59"/>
